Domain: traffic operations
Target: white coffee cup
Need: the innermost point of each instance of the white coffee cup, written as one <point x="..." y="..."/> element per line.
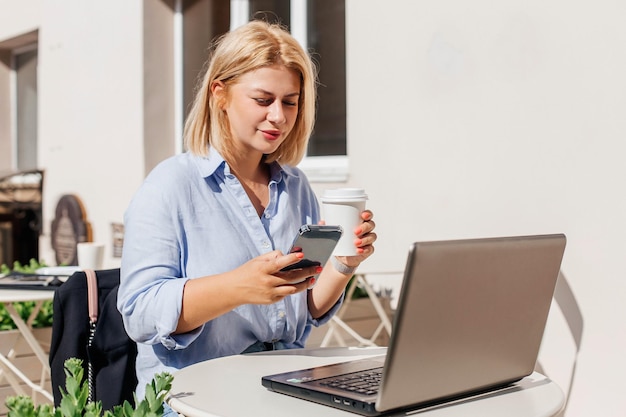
<point x="90" y="255"/>
<point x="343" y="207"/>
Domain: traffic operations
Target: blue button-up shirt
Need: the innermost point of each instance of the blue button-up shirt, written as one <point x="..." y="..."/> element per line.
<point x="190" y="218"/>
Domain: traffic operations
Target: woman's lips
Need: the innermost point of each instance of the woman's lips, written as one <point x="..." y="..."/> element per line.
<point x="271" y="134"/>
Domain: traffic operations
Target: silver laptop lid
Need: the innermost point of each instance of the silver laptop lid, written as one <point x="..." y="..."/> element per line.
<point x="471" y="315"/>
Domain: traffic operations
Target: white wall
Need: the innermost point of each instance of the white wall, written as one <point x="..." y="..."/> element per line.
<point x="90" y="117"/>
<point x="19" y="17"/>
<point x="482" y="118"/>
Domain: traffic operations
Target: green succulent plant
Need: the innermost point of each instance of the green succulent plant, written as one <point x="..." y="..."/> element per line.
<point x="74" y="399"/>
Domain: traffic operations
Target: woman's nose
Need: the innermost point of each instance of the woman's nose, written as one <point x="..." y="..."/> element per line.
<point x="275" y="113"/>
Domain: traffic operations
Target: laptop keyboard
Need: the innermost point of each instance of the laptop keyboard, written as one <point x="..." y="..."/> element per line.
<point x="366" y="382"/>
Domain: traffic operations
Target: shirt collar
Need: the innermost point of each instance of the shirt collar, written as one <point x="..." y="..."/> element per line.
<point x="208" y="165"/>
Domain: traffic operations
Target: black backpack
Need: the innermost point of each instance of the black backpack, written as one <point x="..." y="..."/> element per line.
<point x="111" y="354"/>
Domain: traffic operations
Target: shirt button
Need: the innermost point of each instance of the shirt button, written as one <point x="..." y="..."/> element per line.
<point x="267" y="215"/>
<point x="281" y="314"/>
<point x="265" y="244"/>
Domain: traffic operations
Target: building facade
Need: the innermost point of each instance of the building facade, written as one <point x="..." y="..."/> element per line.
<point x="460" y="119"/>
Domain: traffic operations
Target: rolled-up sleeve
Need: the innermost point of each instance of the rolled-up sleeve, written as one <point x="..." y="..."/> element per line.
<point x="329" y="314"/>
<point x="152" y="283"/>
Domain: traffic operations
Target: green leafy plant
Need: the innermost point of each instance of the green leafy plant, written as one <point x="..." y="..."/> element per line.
<point x="359" y="292"/>
<point x="30" y="268"/>
<point x="74" y="399"/>
<point x="24" y="308"/>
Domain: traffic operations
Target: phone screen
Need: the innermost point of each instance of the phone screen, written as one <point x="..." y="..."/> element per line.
<point x="317" y="242"/>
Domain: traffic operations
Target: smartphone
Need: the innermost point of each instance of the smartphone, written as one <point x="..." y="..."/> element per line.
<point x="317" y="242"/>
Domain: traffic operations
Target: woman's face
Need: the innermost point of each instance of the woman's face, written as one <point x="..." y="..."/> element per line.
<point x="262" y="107"/>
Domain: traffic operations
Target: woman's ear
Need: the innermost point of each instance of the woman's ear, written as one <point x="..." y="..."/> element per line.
<point x="218" y="90"/>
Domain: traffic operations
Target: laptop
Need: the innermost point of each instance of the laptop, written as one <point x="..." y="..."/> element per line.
<point x="470" y="320"/>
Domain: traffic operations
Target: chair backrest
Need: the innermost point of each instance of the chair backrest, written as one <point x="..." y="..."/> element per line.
<point x="566" y="301"/>
<point x="112" y="353"/>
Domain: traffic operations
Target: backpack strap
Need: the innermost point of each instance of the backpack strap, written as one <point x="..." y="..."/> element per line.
<point x="92" y="303"/>
<point x="92" y="295"/>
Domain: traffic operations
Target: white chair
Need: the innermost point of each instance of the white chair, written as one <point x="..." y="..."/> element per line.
<point x="565" y="300"/>
<point x="337" y="323"/>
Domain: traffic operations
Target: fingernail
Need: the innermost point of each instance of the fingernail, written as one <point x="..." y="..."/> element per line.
<point x="312" y="281"/>
<point x="318" y="270"/>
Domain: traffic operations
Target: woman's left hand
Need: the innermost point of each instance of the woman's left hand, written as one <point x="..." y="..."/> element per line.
<point x="326" y="292"/>
<point x="364" y="241"/>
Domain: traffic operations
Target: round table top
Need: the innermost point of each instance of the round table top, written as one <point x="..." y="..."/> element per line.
<point x="231" y="387"/>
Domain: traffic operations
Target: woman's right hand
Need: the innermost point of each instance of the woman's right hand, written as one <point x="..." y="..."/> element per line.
<point x="258" y="281"/>
<point x="262" y="281"/>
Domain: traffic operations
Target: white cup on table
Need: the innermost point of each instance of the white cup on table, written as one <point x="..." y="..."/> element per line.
<point x="90" y="255"/>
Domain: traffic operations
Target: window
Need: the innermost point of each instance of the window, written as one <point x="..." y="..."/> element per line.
<point x="326" y="36"/>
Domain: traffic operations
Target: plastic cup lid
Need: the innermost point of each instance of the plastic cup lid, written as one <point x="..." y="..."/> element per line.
<point x="344" y="194"/>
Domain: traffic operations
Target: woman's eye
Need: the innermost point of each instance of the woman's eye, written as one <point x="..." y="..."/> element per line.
<point x="264" y="101"/>
<point x="269" y="101"/>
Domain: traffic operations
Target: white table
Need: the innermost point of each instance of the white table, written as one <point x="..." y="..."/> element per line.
<point x="7" y="367"/>
<point x="231" y="387"/>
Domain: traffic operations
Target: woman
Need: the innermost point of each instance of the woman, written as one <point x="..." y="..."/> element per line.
<point x="207" y="232"/>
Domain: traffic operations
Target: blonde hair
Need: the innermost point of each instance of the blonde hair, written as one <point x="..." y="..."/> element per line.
<point x="252" y="46"/>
